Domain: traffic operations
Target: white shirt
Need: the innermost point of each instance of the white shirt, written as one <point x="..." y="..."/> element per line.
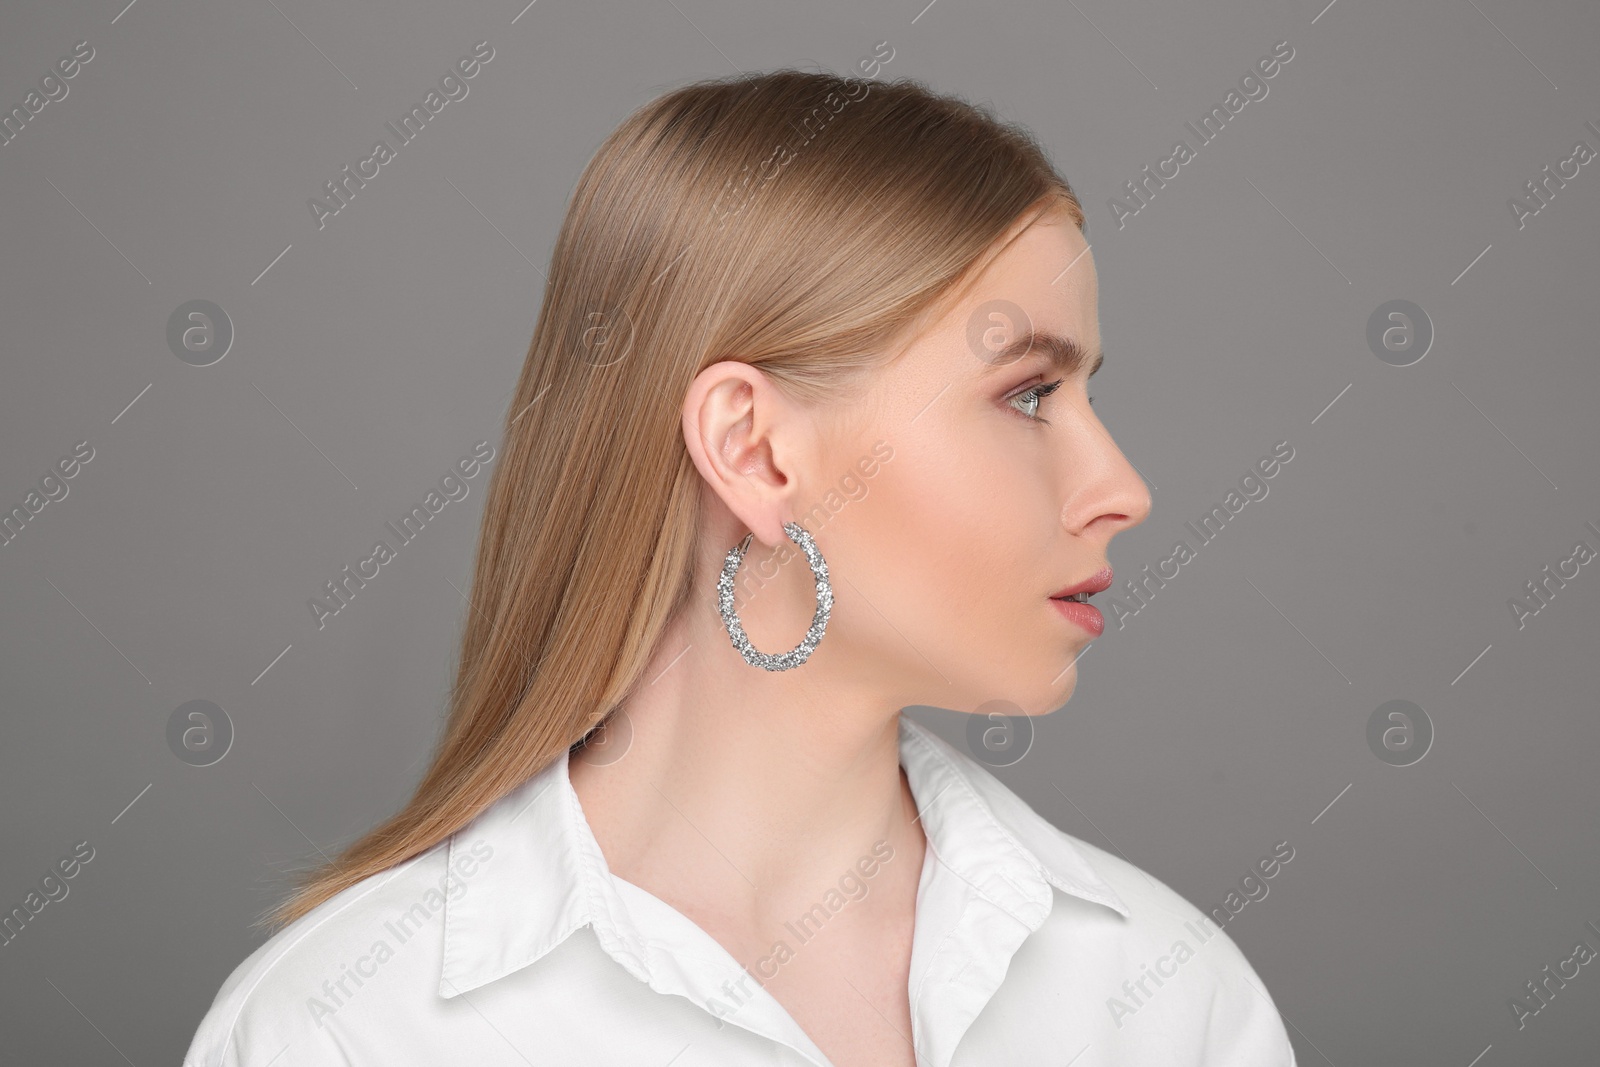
<point x="513" y="944"/>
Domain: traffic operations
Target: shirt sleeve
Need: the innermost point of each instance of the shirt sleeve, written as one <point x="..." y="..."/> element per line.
<point x="1245" y="1028"/>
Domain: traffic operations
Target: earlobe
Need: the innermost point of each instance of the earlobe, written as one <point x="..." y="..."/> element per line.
<point x="731" y="415"/>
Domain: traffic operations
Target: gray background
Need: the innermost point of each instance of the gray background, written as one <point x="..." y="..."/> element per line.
<point x="1228" y="715"/>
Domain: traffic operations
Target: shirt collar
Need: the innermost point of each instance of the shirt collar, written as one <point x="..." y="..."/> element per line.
<point x="989" y="836"/>
<point x="547" y="876"/>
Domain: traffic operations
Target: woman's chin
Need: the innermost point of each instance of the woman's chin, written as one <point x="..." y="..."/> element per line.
<point x="1042" y="699"/>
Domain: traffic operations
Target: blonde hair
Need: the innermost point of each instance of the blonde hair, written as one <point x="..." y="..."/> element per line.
<point x="794" y="221"/>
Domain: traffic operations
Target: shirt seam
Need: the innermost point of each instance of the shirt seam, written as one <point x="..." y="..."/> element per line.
<point x="452" y="919"/>
<point x="1022" y="850"/>
<point x="672" y="949"/>
<point x="919" y="1032"/>
<point x="1063" y="882"/>
<point x="588" y="877"/>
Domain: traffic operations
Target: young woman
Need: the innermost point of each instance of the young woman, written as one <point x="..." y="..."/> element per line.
<point x="803" y="438"/>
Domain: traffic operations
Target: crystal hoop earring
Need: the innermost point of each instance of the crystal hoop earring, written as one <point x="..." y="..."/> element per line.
<point x="819" y="622"/>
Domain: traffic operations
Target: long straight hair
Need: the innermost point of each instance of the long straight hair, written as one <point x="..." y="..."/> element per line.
<point x="794" y="221"/>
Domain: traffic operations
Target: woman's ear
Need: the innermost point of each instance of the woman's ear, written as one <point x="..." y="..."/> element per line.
<point x="742" y="433"/>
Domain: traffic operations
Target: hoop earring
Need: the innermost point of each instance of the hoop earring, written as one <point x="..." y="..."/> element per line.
<point x="819" y="622"/>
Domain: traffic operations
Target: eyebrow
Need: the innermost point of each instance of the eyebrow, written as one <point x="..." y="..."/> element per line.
<point x="1064" y="354"/>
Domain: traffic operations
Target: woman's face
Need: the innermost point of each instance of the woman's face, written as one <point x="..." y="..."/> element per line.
<point x="1003" y="489"/>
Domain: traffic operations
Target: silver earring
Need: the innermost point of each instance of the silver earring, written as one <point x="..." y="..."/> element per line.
<point x="819" y="622"/>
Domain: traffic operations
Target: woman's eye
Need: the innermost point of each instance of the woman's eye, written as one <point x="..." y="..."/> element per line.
<point x="1028" y="400"/>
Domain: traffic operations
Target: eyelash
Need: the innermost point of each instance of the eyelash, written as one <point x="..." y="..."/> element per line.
<point x="1036" y="394"/>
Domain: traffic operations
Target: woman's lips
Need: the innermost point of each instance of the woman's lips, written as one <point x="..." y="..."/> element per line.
<point x="1097" y="582"/>
<point x="1085" y="615"/>
<point x="1080" y="611"/>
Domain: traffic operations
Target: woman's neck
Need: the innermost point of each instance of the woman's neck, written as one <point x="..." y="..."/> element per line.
<point x="744" y="791"/>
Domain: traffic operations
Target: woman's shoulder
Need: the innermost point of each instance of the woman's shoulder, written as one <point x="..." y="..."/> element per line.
<point x="385" y="929"/>
<point x="1226" y="1007"/>
<point x="1124" y="931"/>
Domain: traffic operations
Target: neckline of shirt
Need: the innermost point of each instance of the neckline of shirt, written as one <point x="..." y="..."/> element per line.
<point x="548" y="877"/>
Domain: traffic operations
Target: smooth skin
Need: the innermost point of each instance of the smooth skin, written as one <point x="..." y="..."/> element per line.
<point x="740" y="796"/>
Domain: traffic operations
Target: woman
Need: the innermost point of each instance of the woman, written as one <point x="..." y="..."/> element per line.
<point x="849" y="326"/>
